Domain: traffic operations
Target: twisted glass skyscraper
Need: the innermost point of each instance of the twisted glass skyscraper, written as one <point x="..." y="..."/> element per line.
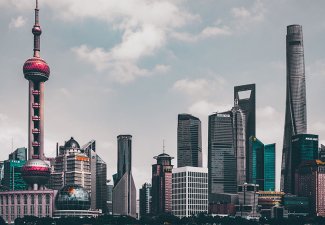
<point x="296" y="115"/>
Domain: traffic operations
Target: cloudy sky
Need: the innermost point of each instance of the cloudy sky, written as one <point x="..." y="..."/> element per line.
<point x="129" y="67"/>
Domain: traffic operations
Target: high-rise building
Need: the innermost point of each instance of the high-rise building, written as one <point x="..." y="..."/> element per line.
<point x="239" y="136"/>
<point x="1" y="171"/>
<point x="321" y="153"/>
<point x="71" y="167"/>
<point x="269" y="167"/>
<point x="19" y="154"/>
<point x="304" y="147"/>
<point x="162" y="184"/>
<point x="262" y="164"/>
<point x="222" y="174"/>
<point x="101" y="184"/>
<point x="145" y="199"/>
<point x="189" y="141"/>
<point x="98" y="170"/>
<point x="12" y="175"/>
<point x="109" y="198"/>
<point x="245" y="98"/>
<point x="189" y="191"/>
<point x="296" y="113"/>
<point x="124" y="191"/>
<point x="310" y="183"/>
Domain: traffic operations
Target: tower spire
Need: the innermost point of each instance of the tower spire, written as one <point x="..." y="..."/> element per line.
<point x="163" y="145"/>
<point x="37" y="31"/>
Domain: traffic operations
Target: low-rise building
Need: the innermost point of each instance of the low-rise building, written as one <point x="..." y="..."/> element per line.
<point x="189" y="191"/>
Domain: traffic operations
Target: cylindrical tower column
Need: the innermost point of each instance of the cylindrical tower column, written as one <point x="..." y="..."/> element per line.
<point x="41" y="121"/>
<point x="30" y="121"/>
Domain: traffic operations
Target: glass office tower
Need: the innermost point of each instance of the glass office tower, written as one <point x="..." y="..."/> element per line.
<point x="222" y="173"/>
<point x="189" y="141"/>
<point x="262" y="163"/>
<point x="269" y="167"/>
<point x="296" y="113"/>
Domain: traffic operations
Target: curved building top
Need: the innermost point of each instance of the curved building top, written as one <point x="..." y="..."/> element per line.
<point x="35" y="68"/>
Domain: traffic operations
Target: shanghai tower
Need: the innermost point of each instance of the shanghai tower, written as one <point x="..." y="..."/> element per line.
<point x="296" y="115"/>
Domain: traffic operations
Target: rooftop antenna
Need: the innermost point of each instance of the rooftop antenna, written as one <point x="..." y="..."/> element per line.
<point x="12" y="144"/>
<point x="163" y="145"/>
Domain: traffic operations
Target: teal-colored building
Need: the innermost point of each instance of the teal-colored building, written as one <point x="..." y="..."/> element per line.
<point x="12" y="175"/>
<point x="304" y="148"/>
<point x="261" y="164"/>
<point x="269" y="167"/>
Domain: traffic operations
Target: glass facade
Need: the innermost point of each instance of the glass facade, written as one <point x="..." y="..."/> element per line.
<point x="269" y="167"/>
<point x="12" y="175"/>
<point x="145" y="199"/>
<point x="262" y="164"/>
<point x="19" y="154"/>
<point x="221" y="155"/>
<point x="304" y="148"/>
<point x="72" y="197"/>
<point x="189" y="141"/>
<point x="245" y="98"/>
<point x="296" y="115"/>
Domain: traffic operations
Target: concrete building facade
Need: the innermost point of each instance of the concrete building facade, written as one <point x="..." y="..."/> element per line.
<point x="189" y="191"/>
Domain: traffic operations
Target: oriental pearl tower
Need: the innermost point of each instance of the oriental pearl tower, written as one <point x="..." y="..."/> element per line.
<point x="36" y="172"/>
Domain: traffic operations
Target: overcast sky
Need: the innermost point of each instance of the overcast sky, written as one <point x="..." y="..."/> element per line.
<point x="129" y="67"/>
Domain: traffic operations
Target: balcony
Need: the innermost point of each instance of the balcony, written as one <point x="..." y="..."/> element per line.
<point x="36" y="105"/>
<point x="36" y="92"/>
<point x="36" y="144"/>
<point x="36" y="118"/>
<point x="36" y="131"/>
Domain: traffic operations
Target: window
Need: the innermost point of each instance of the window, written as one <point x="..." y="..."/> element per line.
<point x="39" y="211"/>
<point x="47" y="199"/>
<point x="40" y="199"/>
<point x="47" y="208"/>
<point x="18" y="199"/>
<point x="32" y="200"/>
<point x="25" y="199"/>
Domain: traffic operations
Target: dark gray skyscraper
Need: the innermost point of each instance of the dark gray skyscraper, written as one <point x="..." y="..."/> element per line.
<point x="189" y="141"/>
<point x="296" y="115"/>
<point x="222" y="176"/>
<point x="239" y="135"/>
<point x="245" y="98"/>
<point x="124" y="191"/>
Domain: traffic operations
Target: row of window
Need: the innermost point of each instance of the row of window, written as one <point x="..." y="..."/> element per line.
<point x="4" y="210"/>
<point x="23" y="199"/>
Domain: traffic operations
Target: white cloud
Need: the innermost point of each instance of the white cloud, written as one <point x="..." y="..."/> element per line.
<point x="17" y="22"/>
<point x="245" y="17"/>
<point x="199" y="88"/>
<point x="208" y="32"/>
<point x="144" y="26"/>
<point x="204" y="108"/>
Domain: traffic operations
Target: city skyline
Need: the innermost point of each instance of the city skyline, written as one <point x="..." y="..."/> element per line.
<point x="68" y="95"/>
